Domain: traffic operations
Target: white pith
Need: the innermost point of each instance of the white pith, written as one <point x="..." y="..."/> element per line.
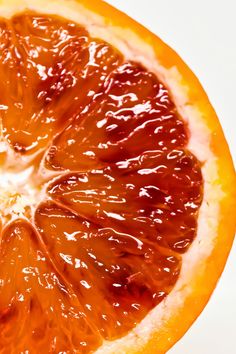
<point x="17" y="193"/>
<point x="198" y="144"/>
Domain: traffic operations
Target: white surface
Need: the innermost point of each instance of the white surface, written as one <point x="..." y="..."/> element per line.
<point x="203" y="33"/>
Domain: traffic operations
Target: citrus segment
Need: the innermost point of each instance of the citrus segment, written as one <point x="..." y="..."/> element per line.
<point x="116" y="277"/>
<point x="45" y="63"/>
<point x="155" y="196"/>
<point x="134" y="113"/>
<point x="38" y="313"/>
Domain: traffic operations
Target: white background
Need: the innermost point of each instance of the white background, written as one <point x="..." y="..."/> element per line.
<point x="203" y="32"/>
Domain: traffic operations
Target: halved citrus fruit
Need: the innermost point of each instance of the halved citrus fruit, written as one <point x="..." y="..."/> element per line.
<point x="117" y="189"/>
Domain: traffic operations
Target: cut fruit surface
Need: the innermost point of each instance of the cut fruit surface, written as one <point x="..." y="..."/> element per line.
<point x="34" y="300"/>
<point x="134" y="107"/>
<point x="112" y="195"/>
<point x="129" y="278"/>
<point x="46" y="62"/>
<point x="154" y="197"/>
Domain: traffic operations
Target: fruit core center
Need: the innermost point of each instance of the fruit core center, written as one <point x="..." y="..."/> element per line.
<point x="17" y="193"/>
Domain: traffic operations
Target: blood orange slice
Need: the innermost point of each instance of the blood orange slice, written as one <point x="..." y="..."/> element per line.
<point x="114" y="191"/>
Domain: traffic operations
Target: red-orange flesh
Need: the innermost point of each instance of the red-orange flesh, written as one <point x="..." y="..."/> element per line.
<point x="104" y="246"/>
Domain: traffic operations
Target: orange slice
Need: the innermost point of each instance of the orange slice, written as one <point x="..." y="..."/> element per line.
<point x="117" y="193"/>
